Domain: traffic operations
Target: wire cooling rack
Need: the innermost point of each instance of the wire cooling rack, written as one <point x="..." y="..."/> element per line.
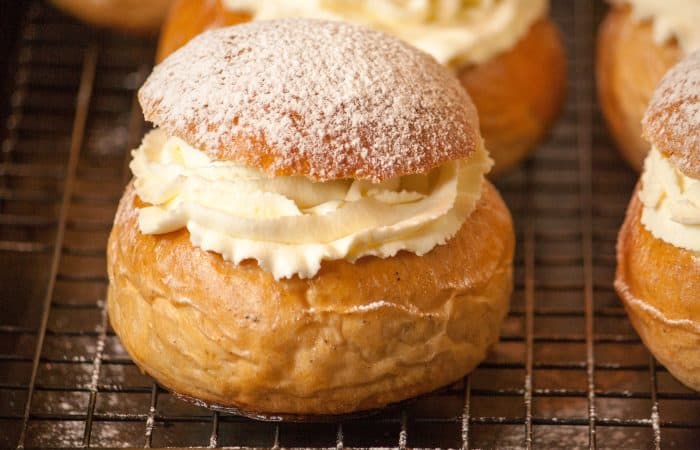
<point x="569" y="371"/>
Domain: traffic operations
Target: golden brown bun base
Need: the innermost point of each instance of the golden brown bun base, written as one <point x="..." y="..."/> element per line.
<point x="659" y="285"/>
<point x="629" y="66"/>
<point x="518" y="93"/>
<point x="131" y="16"/>
<point x="355" y="337"/>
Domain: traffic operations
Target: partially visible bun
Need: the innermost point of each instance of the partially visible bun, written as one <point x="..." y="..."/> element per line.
<point x="659" y="285"/>
<point x="357" y="336"/>
<point x="188" y="18"/>
<point x="516" y="98"/>
<point x="629" y="66"/>
<point x="672" y="122"/>
<point x="136" y="16"/>
<point x="320" y="99"/>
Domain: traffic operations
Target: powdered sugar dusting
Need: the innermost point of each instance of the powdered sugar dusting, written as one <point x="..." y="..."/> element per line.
<point x="672" y="122"/>
<point x="322" y="99"/>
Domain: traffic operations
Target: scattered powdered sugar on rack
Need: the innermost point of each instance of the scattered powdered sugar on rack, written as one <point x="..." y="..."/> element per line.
<point x="672" y="122"/>
<point x="322" y="99"/>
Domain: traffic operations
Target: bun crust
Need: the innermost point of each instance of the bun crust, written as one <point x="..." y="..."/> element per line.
<point x="517" y="101"/>
<point x="659" y="284"/>
<point x="134" y="16"/>
<point x="355" y="337"/>
<point x="672" y="122"/>
<point x="313" y="98"/>
<point x="629" y="66"/>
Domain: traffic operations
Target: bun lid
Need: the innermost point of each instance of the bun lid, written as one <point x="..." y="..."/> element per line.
<point x="672" y="121"/>
<point x="325" y="100"/>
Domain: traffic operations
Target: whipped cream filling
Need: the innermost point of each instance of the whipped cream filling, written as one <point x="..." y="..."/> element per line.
<point x="670" y="19"/>
<point x="671" y="203"/>
<point x="290" y="224"/>
<point x="453" y="31"/>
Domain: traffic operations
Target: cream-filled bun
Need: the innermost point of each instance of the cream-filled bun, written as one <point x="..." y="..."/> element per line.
<point x="638" y="42"/>
<point x="308" y="230"/>
<point x="658" y="274"/>
<point x="135" y="16"/>
<point x="507" y="53"/>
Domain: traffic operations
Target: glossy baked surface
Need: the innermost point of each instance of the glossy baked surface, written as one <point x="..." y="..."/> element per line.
<point x="355" y="337"/>
<point x="659" y="285"/>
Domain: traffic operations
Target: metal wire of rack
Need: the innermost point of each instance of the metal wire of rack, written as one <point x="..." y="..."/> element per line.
<point x="569" y="370"/>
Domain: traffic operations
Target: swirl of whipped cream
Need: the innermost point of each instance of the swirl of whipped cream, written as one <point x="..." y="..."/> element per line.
<point x="671" y="203"/>
<point x="290" y="224"/>
<point x="453" y="31"/>
<point x="670" y="19"/>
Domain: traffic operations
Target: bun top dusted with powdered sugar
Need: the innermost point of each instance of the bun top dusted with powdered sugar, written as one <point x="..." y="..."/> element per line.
<point x="325" y="100"/>
<point x="672" y="121"/>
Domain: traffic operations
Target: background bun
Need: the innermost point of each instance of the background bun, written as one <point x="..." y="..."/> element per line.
<point x="136" y="16"/>
<point x="325" y="100"/>
<point x="629" y="65"/>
